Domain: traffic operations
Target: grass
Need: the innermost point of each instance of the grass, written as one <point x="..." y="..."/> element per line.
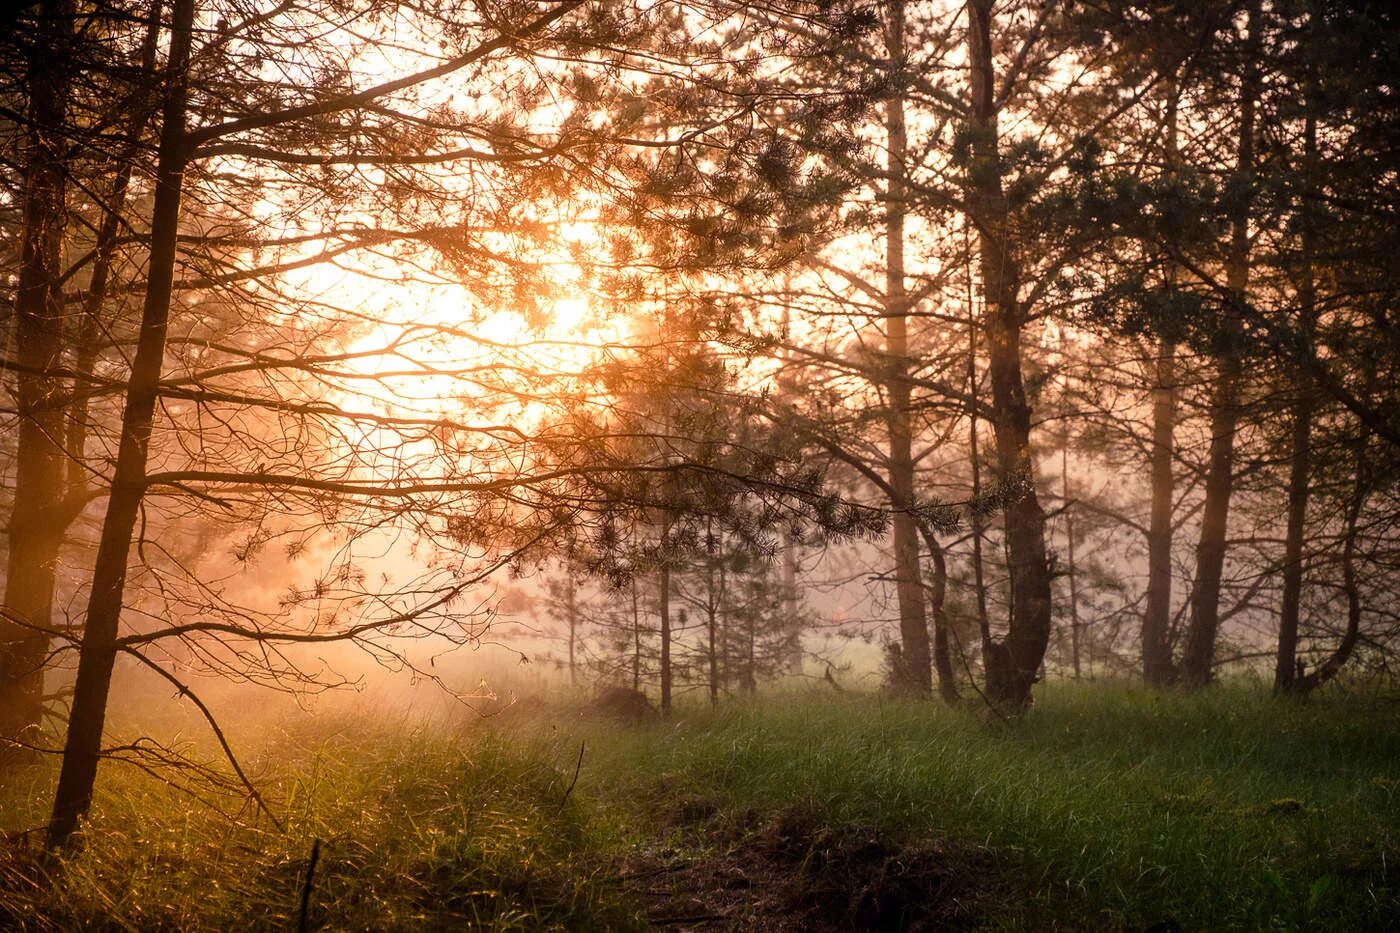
<point x="1107" y="807"/>
<point x="1113" y="808"/>
<point x="420" y="829"/>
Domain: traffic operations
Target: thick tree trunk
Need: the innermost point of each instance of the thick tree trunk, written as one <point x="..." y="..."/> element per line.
<point x="1199" y="655"/>
<point x="99" y="645"/>
<point x="1198" y="659"/>
<point x="36" y="528"/>
<point x="1014" y="664"/>
<point x="915" y="674"/>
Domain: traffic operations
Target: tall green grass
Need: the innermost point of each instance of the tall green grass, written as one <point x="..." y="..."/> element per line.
<point x="1111" y="807"/>
<point x="1105" y="808"/>
<point x="419" y="829"/>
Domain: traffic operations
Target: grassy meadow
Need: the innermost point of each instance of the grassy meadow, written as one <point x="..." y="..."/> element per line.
<point x="1104" y="809"/>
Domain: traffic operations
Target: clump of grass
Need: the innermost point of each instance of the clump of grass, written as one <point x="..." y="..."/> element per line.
<point x="418" y="829"/>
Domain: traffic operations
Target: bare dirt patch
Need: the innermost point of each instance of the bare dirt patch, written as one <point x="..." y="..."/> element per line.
<point x="795" y="871"/>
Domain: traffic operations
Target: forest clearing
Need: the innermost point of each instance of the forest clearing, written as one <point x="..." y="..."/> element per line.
<point x="699" y="464"/>
<point x="1107" y="808"/>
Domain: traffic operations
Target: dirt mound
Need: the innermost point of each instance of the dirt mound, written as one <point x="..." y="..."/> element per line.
<point x="795" y="872"/>
<point x="622" y="703"/>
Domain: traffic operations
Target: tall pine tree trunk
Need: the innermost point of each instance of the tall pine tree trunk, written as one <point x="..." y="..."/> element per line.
<point x="1300" y="453"/>
<point x="1158" y="667"/>
<point x="88" y="340"/>
<point x="979" y="580"/>
<point x="1074" y="627"/>
<point x="665" y="602"/>
<point x="1198" y="659"/>
<point x="712" y="614"/>
<point x="915" y="674"/>
<point x="35" y="529"/>
<point x="1013" y="664"/>
<point x="792" y="615"/>
<point x="1299" y="483"/>
<point x="636" y="639"/>
<point x="571" y="611"/>
<point x="99" y="644"/>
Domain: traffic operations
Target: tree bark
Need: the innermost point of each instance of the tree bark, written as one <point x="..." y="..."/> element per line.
<point x="1305" y="683"/>
<point x="98" y="651"/>
<point x="1199" y="656"/>
<point x="1074" y="631"/>
<point x="35" y="529"/>
<point x="88" y="340"/>
<point x="1012" y="665"/>
<point x="636" y="640"/>
<point x="1299" y="483"/>
<point x="665" y="600"/>
<point x="571" y="610"/>
<point x="792" y="619"/>
<point x="979" y="580"/>
<point x="712" y="615"/>
<point x="937" y="597"/>
<point x="1300" y="453"/>
<point x="1158" y="667"/>
<point x="915" y="673"/>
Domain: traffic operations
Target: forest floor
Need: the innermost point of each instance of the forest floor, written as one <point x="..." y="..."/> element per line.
<point x="1106" y="808"/>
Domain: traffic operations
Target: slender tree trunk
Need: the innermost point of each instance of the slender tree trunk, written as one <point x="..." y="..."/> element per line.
<point x="88" y="341"/>
<point x="1299" y="483"/>
<point x="751" y="658"/>
<point x="719" y="670"/>
<point x="791" y="610"/>
<point x="979" y="579"/>
<point x="1305" y="683"/>
<point x="1158" y="668"/>
<point x="571" y="609"/>
<point x="712" y="618"/>
<point x="938" y="595"/>
<point x="916" y="674"/>
<point x="1199" y="656"/>
<point x="636" y="640"/>
<point x="665" y="600"/>
<point x="35" y="529"/>
<point x="1300" y="455"/>
<point x="1069" y="563"/>
<point x="1014" y="664"/>
<point x="99" y="644"/>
